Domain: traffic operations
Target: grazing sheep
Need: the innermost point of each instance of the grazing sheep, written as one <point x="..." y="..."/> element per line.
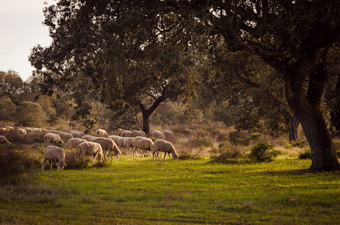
<point x="3" y="140"/>
<point x="157" y="134"/>
<point x="54" y="154"/>
<point x="142" y="143"/>
<point x="9" y="128"/>
<point x="108" y="145"/>
<point x="163" y="146"/>
<point x="92" y="149"/>
<point x="128" y="143"/>
<point x="52" y="138"/>
<point x="101" y="133"/>
<point x="126" y="133"/>
<point x="54" y="131"/>
<point x="74" y="142"/>
<point x="169" y="135"/>
<point x="37" y="131"/>
<point x="28" y="130"/>
<point x="88" y="137"/>
<point x="136" y="133"/>
<point x="76" y="134"/>
<point x="118" y="140"/>
<point x="65" y="136"/>
<point x="21" y="131"/>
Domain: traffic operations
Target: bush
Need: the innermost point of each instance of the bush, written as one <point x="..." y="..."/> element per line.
<point x="14" y="163"/>
<point x="202" y="142"/>
<point x="306" y="155"/>
<point x="30" y="114"/>
<point x="299" y="144"/>
<point x="262" y="152"/>
<point x="228" y="153"/>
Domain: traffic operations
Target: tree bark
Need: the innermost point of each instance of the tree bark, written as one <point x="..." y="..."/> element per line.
<point x="307" y="108"/>
<point x="146" y="113"/>
<point x="293" y="129"/>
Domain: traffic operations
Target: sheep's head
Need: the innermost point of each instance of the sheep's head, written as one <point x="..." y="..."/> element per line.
<point x="174" y="155"/>
<point x="61" y="165"/>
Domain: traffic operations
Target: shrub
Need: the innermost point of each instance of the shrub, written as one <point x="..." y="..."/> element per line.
<point x="14" y="163"/>
<point x="307" y="154"/>
<point x="299" y="144"/>
<point x="262" y="152"/>
<point x="228" y="153"/>
<point x="202" y="142"/>
<point x="30" y="114"/>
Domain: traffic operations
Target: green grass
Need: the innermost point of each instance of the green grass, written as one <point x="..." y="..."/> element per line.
<point x="143" y="191"/>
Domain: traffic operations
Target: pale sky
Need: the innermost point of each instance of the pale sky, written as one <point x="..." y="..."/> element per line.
<point x="21" y="29"/>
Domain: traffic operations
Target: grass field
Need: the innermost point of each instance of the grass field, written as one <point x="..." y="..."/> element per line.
<point x="143" y="191"/>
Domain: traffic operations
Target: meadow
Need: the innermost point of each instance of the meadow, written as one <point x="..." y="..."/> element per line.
<point x="145" y="191"/>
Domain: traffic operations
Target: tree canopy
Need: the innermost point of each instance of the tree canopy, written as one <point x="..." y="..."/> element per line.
<point x="134" y="49"/>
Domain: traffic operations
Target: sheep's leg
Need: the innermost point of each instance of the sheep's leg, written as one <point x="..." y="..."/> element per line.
<point x="43" y="164"/>
<point x="164" y="155"/>
<point x="51" y="165"/>
<point x="95" y="157"/>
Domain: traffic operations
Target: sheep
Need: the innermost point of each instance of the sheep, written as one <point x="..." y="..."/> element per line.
<point x="126" y="133"/>
<point x="3" y="140"/>
<point x="74" y="142"/>
<point x="157" y="134"/>
<point x="65" y="136"/>
<point x="54" y="131"/>
<point x="21" y="131"/>
<point x="9" y="128"/>
<point x="54" y="154"/>
<point x="88" y="137"/>
<point x="76" y="134"/>
<point x="37" y="131"/>
<point x="118" y="140"/>
<point x="101" y="133"/>
<point x="128" y="143"/>
<point x="91" y="148"/>
<point x="108" y="145"/>
<point x="141" y="143"/>
<point x="28" y="130"/>
<point x="163" y="146"/>
<point x="169" y="135"/>
<point x="52" y="138"/>
<point x="136" y="133"/>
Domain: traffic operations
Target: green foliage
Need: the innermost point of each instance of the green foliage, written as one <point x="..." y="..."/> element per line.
<point x="242" y="138"/>
<point x="299" y="144"/>
<point x="202" y="142"/>
<point x="262" y="152"/>
<point x="307" y="154"/>
<point x="228" y="153"/>
<point x="30" y="114"/>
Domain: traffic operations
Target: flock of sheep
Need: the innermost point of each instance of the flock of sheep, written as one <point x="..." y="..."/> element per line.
<point x="98" y="146"/>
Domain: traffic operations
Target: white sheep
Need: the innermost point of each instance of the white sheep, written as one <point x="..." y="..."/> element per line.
<point x="142" y="143"/>
<point x="52" y="138"/>
<point x="169" y="135"/>
<point x="54" y="131"/>
<point x="157" y="134"/>
<point x="76" y="134"/>
<point x="74" y="142"/>
<point x="92" y="149"/>
<point x="118" y="140"/>
<point x="126" y="133"/>
<point x="3" y="140"/>
<point x="21" y="131"/>
<point x="28" y="130"/>
<point x="163" y="146"/>
<point x="37" y="131"/>
<point x="101" y="133"/>
<point x="65" y="136"/>
<point x="88" y="137"/>
<point x="128" y="143"/>
<point x="9" y="128"/>
<point x="136" y="133"/>
<point x="108" y="145"/>
<point x="54" y="154"/>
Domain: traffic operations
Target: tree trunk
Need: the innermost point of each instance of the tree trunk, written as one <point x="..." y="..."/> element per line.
<point x="146" y="121"/>
<point x="307" y="108"/>
<point x="293" y="129"/>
